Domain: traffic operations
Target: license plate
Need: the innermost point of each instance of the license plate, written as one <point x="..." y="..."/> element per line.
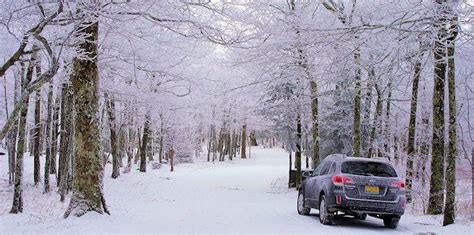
<point x="372" y="189"/>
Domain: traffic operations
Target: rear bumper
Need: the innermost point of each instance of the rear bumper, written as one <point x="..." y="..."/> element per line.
<point x="348" y="205"/>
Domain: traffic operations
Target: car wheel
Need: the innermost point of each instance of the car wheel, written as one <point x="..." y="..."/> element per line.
<point x="361" y="216"/>
<point x="325" y="217"/>
<point x="302" y="210"/>
<point x="391" y="222"/>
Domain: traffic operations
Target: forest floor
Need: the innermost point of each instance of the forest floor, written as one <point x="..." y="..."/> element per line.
<point x="240" y="196"/>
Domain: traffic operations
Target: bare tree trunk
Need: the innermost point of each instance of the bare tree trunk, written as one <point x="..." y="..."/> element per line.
<point x="162" y="134"/>
<point x="435" y="205"/>
<point x="13" y="132"/>
<point x="412" y="123"/>
<point x="121" y="145"/>
<point x="252" y="139"/>
<point x="65" y="144"/>
<point x="139" y="144"/>
<point x="209" y="149"/>
<point x="250" y="148"/>
<point x="5" y="96"/>
<point x="47" y="163"/>
<point x="37" y="129"/>
<point x="337" y="9"/>
<point x="396" y="155"/>
<point x="298" y="152"/>
<point x="291" y="165"/>
<point x="315" y="128"/>
<point x="221" y="142"/>
<point x="66" y="133"/>
<point x="243" y="145"/>
<point x="450" y="203"/>
<point x="12" y="144"/>
<point x="305" y="65"/>
<point x="131" y="134"/>
<point x="388" y="123"/>
<point x="10" y="150"/>
<point x="71" y="144"/>
<point x="54" y="136"/>
<point x="110" y="106"/>
<point x="472" y="181"/>
<point x="62" y="137"/>
<point x="367" y="108"/>
<point x="17" y="205"/>
<point x="231" y="144"/>
<point x="198" y="139"/>
<point x="235" y="144"/>
<point x="36" y="139"/>
<point x="151" y="146"/>
<point x="214" y="144"/>
<point x="306" y="151"/>
<point x="88" y="173"/>
<point x="376" y="122"/>
<point x="171" y="153"/>
<point x="357" y="94"/>
<point x="146" y="132"/>
<point x="424" y="148"/>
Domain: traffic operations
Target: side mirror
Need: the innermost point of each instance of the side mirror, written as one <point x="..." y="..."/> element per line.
<point x="306" y="174"/>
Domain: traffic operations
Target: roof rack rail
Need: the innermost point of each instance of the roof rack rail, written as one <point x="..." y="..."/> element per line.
<point x="384" y="159"/>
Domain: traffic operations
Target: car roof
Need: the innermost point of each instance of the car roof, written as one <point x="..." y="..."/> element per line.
<point x="343" y="157"/>
<point x="336" y="157"/>
<point x="376" y="159"/>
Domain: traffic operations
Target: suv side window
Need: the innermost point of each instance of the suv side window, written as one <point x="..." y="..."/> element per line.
<point x="333" y="169"/>
<point x="325" y="168"/>
<point x="318" y="169"/>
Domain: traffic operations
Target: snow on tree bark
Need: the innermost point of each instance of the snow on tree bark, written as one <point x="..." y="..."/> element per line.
<point x="162" y="136"/>
<point x="88" y="173"/>
<point x="376" y="122"/>
<point x="472" y="181"/>
<point x="435" y="204"/>
<point x="315" y="128"/>
<point x="366" y="109"/>
<point x="304" y="64"/>
<point x="243" y="145"/>
<point x="412" y="122"/>
<point x="146" y="132"/>
<point x="47" y="163"/>
<point x="110" y="106"/>
<point x="10" y="143"/>
<point x="388" y="122"/>
<point x="450" y="203"/>
<point x="357" y="96"/>
<point x="298" y="152"/>
<point x="66" y="130"/>
<point x="252" y="139"/>
<point x="54" y="136"/>
<point x="17" y="205"/>
<point x="37" y="129"/>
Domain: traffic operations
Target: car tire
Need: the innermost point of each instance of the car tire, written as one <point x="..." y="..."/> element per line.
<point x="325" y="217"/>
<point x="300" y="207"/>
<point x="391" y="222"/>
<point x="361" y="216"/>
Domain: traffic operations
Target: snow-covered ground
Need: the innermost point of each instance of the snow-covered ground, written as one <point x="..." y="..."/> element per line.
<point x="240" y="196"/>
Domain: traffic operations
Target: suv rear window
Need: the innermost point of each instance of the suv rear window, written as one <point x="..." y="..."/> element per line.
<point x="368" y="169"/>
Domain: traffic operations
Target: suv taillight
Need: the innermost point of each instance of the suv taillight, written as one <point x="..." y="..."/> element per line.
<point x="340" y="180"/>
<point x="398" y="184"/>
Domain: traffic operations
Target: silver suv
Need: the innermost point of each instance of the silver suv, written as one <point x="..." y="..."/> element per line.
<point x="353" y="186"/>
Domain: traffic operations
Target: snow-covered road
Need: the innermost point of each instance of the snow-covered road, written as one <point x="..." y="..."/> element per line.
<point x="242" y="196"/>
